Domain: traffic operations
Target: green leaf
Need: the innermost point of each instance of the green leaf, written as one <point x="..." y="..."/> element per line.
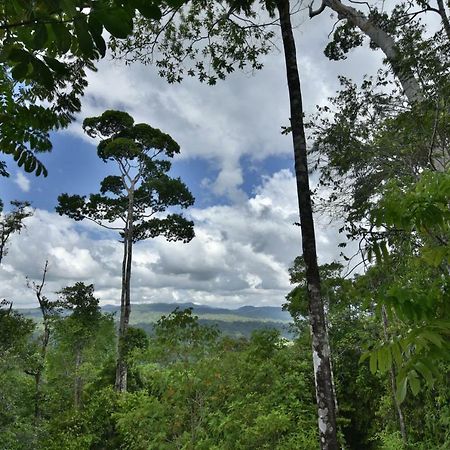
<point x="63" y="37"/>
<point x="84" y="38"/>
<point x="414" y="382"/>
<point x="18" y="55"/>
<point x="373" y="361"/>
<point x="57" y="66"/>
<point x="435" y="338"/>
<point x="425" y="372"/>
<point x="148" y="9"/>
<point x="434" y="256"/>
<point x="96" y="29"/>
<point x="42" y="74"/>
<point x="30" y="164"/>
<point x="384" y="359"/>
<point x="22" y="159"/>
<point x="117" y="21"/>
<point x="397" y="354"/>
<point x="402" y="385"/>
<point x="20" y="71"/>
<point x="363" y="357"/>
<point x="40" y="36"/>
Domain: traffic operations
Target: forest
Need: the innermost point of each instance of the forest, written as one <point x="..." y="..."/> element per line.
<point x="366" y="361"/>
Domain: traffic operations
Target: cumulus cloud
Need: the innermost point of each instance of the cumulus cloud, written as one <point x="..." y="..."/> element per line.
<point x="239" y="117"/>
<point x="22" y="181"/>
<point x="240" y="254"/>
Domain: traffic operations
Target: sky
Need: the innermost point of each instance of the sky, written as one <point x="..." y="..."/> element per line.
<point x="233" y="158"/>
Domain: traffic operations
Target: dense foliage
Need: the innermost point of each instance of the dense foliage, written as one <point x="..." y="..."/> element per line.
<point x="75" y="381"/>
<point x="191" y="387"/>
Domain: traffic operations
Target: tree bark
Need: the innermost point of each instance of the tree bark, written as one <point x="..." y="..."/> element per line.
<point x="320" y="345"/>
<point x="125" y="304"/>
<point x="444" y="17"/>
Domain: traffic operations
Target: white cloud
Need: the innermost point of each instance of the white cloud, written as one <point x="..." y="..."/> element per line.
<point x="240" y="255"/>
<point x="22" y="181"/>
<point x="241" y="116"/>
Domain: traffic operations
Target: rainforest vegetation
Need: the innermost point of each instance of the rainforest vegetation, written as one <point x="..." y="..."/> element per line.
<point x="367" y="366"/>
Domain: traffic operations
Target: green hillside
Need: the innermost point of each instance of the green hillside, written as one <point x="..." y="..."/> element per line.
<point x="239" y="322"/>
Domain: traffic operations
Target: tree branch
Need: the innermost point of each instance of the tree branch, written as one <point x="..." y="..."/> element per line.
<point x="313" y="13"/>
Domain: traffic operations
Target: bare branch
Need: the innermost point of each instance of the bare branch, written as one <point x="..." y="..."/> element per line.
<point x="313" y="13"/>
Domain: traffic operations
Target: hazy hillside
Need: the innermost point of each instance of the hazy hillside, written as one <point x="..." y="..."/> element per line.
<point x="233" y="322"/>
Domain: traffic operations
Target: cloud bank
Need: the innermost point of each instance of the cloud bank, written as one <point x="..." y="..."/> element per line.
<point x="240" y="254"/>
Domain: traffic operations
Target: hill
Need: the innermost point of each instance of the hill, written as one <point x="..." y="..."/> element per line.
<point x="233" y="322"/>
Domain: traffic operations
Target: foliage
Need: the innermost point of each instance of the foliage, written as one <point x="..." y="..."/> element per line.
<point x="135" y="149"/>
<point x="45" y="48"/>
<point x="207" y="40"/>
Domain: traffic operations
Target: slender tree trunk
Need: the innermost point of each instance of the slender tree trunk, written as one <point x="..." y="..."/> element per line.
<point x="37" y="374"/>
<point x="444" y="17"/>
<point x="393" y="376"/>
<point x="125" y="304"/>
<point x="78" y="382"/>
<point x="320" y="345"/>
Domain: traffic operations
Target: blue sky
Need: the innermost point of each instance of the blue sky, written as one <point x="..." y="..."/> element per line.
<point x="233" y="158"/>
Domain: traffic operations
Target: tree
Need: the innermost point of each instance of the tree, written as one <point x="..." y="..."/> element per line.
<point x="45" y="48"/>
<point x="49" y="310"/>
<point x="235" y="40"/>
<point x="137" y="198"/>
<point x="12" y="222"/>
<point x="79" y="328"/>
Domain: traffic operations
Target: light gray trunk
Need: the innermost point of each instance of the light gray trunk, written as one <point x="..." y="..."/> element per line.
<point x="385" y="42"/>
<point x="439" y="157"/>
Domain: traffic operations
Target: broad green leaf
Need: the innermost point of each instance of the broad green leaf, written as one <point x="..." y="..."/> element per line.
<point x="434" y="256"/>
<point x="30" y="164"/>
<point x="56" y="65"/>
<point x="117" y="21"/>
<point x="435" y="338"/>
<point x="396" y="352"/>
<point x="425" y="372"/>
<point x="373" y="361"/>
<point x="42" y="74"/>
<point x="414" y="382"/>
<point x="40" y="36"/>
<point x="84" y="38"/>
<point x="20" y="71"/>
<point x="63" y="37"/>
<point x="402" y="385"/>
<point x="148" y="9"/>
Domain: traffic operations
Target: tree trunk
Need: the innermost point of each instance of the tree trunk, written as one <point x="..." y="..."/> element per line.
<point x="320" y="345"/>
<point x="397" y="406"/>
<point x="125" y="304"/>
<point x="384" y="41"/>
<point x="444" y="17"/>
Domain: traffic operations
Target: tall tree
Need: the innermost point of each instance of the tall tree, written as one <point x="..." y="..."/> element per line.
<point x="234" y="38"/>
<point x="320" y="346"/>
<point x="134" y="201"/>
<point x="49" y="311"/>
<point x="79" y="327"/>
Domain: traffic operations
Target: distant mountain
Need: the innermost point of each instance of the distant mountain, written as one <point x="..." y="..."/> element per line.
<point x="234" y="322"/>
